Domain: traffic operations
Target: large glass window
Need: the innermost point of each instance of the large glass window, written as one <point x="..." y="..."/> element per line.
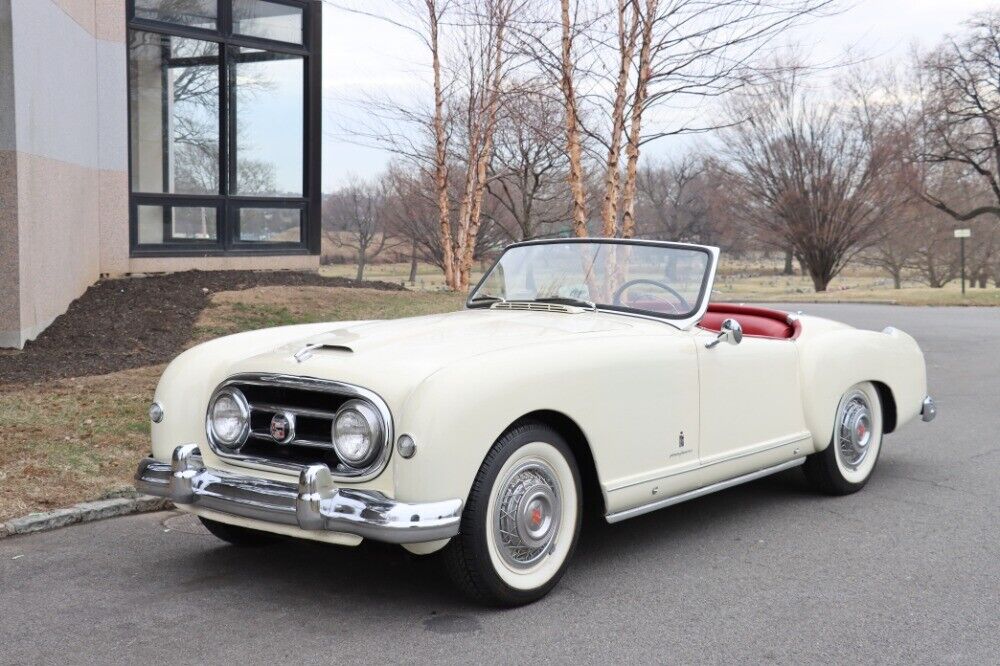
<point x="223" y="102"/>
<point x="174" y="99"/>
<point x="268" y="20"/>
<point x="194" y="13"/>
<point x="269" y="139"/>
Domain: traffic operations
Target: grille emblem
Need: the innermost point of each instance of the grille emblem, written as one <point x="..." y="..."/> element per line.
<point x="282" y="428"/>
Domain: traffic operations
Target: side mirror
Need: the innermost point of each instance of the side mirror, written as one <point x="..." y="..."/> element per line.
<point x="730" y="332"/>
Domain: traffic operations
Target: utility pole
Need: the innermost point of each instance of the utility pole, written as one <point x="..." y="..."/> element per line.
<point x="961" y="235"/>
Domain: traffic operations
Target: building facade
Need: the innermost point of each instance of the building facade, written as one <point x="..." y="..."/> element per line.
<point x="142" y="136"/>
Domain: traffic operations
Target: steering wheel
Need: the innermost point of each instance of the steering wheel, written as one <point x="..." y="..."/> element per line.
<point x="617" y="300"/>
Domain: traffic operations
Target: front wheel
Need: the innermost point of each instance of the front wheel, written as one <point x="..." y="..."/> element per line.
<point x="522" y="519"/>
<point x="845" y="466"/>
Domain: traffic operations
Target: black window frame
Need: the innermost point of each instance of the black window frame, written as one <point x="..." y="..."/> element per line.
<point x="225" y="201"/>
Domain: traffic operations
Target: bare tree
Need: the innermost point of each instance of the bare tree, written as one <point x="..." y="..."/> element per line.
<point x="355" y="217"/>
<point x="631" y="56"/>
<point x="961" y="119"/>
<point x="673" y="200"/>
<point x="452" y="140"/>
<point x="812" y="174"/>
<point x="528" y="174"/>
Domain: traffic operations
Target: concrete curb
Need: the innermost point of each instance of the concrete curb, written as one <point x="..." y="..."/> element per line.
<point x="84" y="512"/>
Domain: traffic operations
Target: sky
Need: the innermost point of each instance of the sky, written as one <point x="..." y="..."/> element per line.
<point x="364" y="56"/>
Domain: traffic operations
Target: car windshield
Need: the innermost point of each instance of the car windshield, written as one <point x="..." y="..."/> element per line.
<point x="657" y="279"/>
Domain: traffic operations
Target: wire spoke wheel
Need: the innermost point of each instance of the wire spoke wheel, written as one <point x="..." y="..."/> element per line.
<point x="854" y="430"/>
<point x="527" y="514"/>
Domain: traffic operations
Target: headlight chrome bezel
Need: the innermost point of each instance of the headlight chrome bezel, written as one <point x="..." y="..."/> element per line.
<point x="244" y="407"/>
<point x="369" y="413"/>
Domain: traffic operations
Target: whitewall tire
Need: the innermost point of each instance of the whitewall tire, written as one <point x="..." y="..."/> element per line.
<point x="521" y="521"/>
<point x="845" y="465"/>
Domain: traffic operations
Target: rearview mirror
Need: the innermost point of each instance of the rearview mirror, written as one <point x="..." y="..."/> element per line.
<point x="730" y="332"/>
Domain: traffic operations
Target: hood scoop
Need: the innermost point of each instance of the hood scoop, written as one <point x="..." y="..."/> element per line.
<point x="536" y="307"/>
<point x="307" y="351"/>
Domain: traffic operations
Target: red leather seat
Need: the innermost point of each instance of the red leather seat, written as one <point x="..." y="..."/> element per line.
<point x="760" y="322"/>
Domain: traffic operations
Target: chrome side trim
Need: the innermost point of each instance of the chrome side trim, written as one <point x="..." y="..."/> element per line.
<point x="313" y="503"/>
<point x="310" y="384"/>
<point x="700" y="492"/>
<point x="928" y="410"/>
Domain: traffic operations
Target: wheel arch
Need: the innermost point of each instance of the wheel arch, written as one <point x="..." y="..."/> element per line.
<point x="572" y="433"/>
<point x="888" y="401"/>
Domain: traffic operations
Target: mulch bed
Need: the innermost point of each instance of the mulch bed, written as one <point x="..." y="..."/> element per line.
<point x="133" y="322"/>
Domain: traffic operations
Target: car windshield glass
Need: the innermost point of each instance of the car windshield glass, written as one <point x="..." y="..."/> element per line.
<point x="651" y="279"/>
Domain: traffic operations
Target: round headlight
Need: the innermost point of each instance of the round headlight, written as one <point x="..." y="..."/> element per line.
<point x="229" y="418"/>
<point x="357" y="433"/>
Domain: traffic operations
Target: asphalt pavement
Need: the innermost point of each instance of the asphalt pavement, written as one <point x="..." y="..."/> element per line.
<point x="906" y="571"/>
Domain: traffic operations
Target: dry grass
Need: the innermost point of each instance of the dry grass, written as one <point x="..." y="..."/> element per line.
<point x="233" y="311"/>
<point x="747" y="281"/>
<point x="72" y="440"/>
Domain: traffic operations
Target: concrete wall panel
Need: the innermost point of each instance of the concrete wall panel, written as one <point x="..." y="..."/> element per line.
<point x="59" y="230"/>
<point x="55" y="65"/>
<point x="112" y="106"/>
<point x="7" y="127"/>
<point x="172" y="264"/>
<point x="10" y="309"/>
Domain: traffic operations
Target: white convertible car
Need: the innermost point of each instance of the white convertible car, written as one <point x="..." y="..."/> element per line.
<point x="582" y="373"/>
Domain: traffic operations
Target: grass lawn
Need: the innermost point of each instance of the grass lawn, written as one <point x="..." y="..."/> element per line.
<point x="744" y="281"/>
<point x="73" y="440"/>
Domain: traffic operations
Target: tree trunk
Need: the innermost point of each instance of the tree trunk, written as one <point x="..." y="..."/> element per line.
<point x="789" y="266"/>
<point x="573" y="143"/>
<point x="897" y="279"/>
<point x="635" y="131"/>
<point x="441" y="153"/>
<point x="413" y="262"/>
<point x="820" y="282"/>
<point x="362" y="260"/>
<point x="612" y="176"/>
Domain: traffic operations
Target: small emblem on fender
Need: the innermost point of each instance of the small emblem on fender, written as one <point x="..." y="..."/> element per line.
<point x="282" y="428"/>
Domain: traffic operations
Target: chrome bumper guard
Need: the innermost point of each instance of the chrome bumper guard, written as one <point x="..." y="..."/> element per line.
<point x="928" y="409"/>
<point x="313" y="504"/>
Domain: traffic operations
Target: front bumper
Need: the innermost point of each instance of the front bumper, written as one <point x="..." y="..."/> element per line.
<point x="312" y="504"/>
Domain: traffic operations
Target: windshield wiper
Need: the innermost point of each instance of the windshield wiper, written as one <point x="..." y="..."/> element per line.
<point x="565" y="300"/>
<point x="487" y="299"/>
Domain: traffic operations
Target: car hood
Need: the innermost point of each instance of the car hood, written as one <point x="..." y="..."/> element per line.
<point x="387" y="354"/>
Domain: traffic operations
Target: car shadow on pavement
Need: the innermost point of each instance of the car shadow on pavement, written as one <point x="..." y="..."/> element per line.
<point x="304" y="574"/>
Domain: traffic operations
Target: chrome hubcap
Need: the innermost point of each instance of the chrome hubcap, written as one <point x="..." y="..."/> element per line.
<point x="854" y="430"/>
<point x="527" y="514"/>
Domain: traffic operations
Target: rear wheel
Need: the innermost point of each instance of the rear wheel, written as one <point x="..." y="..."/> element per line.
<point x="845" y="466"/>
<point x="521" y="522"/>
<point x="237" y="536"/>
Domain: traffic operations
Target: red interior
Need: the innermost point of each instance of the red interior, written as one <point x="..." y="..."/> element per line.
<point x="761" y="322"/>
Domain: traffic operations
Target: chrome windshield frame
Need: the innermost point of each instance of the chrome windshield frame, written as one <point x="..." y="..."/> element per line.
<point x="682" y="322"/>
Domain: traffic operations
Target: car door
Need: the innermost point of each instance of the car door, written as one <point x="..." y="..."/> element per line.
<point x="750" y="401"/>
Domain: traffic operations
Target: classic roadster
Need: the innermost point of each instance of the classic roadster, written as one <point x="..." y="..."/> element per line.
<point x="582" y="373"/>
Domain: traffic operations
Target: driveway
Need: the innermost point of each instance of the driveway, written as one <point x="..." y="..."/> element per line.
<point x="906" y="571"/>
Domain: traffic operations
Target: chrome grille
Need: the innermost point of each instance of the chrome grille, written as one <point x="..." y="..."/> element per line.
<point x="312" y="406"/>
